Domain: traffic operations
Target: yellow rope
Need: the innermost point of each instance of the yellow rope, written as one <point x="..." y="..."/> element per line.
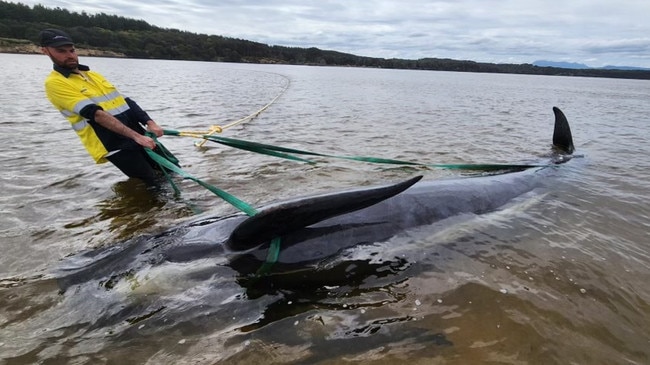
<point x="193" y="134"/>
<point x="218" y="129"/>
<point x="214" y="129"/>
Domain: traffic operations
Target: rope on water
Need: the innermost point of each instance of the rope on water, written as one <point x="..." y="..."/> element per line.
<point x="218" y="129"/>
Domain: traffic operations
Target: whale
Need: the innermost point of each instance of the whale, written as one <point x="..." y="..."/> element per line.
<point x="308" y="231"/>
<point x="228" y="275"/>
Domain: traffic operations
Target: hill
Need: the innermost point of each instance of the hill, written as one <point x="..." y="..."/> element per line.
<point x="573" y="65"/>
<point x="115" y="36"/>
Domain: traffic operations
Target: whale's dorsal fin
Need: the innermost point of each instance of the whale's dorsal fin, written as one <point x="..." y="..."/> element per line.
<point x="284" y="218"/>
<point x="562" y="139"/>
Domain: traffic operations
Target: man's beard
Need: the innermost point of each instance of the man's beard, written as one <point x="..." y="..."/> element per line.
<point x="69" y="64"/>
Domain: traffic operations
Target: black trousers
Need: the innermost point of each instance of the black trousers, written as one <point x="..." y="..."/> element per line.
<point x="136" y="163"/>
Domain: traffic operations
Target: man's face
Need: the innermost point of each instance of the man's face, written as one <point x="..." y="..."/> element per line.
<point x="63" y="56"/>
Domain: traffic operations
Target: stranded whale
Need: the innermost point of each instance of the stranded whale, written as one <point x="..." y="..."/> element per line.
<point x="313" y="229"/>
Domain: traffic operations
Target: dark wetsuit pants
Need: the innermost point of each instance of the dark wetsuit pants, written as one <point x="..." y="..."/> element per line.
<point x="136" y="163"/>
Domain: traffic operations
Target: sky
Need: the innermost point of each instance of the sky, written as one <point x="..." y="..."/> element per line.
<point x="592" y="32"/>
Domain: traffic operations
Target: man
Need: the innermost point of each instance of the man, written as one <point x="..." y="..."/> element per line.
<point x="109" y="124"/>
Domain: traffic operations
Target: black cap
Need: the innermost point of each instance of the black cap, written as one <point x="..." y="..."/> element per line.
<point x="54" y="38"/>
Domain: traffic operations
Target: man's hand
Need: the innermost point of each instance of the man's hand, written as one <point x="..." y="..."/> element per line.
<point x="154" y="128"/>
<point x="145" y="141"/>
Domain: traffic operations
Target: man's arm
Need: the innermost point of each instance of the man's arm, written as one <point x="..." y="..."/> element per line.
<point x="144" y="118"/>
<point x="111" y="123"/>
<point x="65" y="97"/>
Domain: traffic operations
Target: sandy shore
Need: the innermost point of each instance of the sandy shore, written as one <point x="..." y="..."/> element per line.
<point x="26" y="47"/>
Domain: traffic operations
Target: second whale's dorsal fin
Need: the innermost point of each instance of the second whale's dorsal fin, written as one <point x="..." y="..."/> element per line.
<point x="562" y="139"/>
<point x="284" y="218"/>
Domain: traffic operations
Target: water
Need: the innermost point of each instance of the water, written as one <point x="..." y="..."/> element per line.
<point x="558" y="278"/>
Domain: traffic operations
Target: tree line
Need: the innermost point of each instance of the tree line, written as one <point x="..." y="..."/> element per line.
<point x="138" y="39"/>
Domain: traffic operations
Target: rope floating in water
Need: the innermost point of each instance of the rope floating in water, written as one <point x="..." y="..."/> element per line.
<point x="218" y="129"/>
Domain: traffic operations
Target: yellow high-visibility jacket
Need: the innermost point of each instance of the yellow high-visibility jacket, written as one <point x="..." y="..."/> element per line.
<point x="79" y="94"/>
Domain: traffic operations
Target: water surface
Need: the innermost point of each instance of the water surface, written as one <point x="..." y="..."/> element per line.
<point x="559" y="277"/>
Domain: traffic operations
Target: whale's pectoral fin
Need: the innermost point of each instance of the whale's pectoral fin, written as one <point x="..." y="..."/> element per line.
<point x="281" y="219"/>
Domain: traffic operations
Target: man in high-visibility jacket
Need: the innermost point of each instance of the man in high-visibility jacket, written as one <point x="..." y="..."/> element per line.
<point x="109" y="124"/>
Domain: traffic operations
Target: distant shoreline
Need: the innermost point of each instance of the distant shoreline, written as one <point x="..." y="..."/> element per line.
<point x="16" y="46"/>
<point x="24" y="46"/>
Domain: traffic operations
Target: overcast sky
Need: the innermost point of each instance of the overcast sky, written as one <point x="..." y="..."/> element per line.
<point x="593" y="32"/>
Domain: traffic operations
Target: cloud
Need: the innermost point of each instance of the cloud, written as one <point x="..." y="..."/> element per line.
<point x="631" y="46"/>
<point x="596" y="32"/>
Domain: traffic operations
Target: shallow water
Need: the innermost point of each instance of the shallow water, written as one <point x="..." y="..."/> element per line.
<point x="558" y="277"/>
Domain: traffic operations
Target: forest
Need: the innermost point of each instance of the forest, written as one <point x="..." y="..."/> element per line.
<point x="137" y="39"/>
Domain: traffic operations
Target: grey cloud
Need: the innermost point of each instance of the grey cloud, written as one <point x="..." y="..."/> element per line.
<point x="595" y="32"/>
<point x="634" y="46"/>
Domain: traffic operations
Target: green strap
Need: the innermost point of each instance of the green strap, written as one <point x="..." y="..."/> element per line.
<point x="271" y="257"/>
<point x="285" y="152"/>
<point x="237" y="203"/>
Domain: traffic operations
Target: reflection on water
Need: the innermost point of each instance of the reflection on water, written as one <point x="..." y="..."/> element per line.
<point x="557" y="278"/>
<point x="133" y="207"/>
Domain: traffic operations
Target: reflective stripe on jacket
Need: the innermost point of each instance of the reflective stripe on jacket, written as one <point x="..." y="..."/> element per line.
<point x="71" y="94"/>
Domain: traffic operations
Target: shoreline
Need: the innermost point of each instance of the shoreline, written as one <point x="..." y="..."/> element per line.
<point x="23" y="46"/>
<point x="26" y="47"/>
